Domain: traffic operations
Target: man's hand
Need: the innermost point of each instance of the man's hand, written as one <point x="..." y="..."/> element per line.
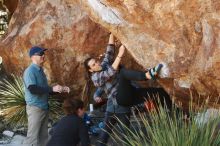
<point x="66" y="89"/>
<point x="61" y="89"/>
<point x="57" y="88"/>
<point x="98" y="99"/>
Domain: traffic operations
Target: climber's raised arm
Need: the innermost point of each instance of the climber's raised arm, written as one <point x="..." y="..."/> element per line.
<point x="110" y="52"/>
<point x="119" y="57"/>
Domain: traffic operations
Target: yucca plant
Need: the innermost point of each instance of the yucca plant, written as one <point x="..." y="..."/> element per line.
<point x="164" y="128"/>
<point x="12" y="102"/>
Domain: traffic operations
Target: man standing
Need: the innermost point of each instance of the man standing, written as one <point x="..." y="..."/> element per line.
<point x="37" y="91"/>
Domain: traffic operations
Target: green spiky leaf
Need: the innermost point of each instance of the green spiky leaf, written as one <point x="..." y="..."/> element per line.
<point x="13" y="105"/>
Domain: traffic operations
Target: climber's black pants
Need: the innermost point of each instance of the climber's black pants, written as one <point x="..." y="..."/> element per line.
<point x="128" y="95"/>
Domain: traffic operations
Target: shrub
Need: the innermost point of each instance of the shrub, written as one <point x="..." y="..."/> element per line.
<point x="165" y="128"/>
<point x="13" y="105"/>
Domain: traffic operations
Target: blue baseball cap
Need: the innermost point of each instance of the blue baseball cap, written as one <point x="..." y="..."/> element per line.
<point x="35" y="50"/>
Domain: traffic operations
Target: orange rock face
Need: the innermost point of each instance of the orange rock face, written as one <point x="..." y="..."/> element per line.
<point x="64" y="29"/>
<point x="183" y="34"/>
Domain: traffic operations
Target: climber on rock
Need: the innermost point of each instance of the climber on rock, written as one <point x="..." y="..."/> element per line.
<point x="115" y="80"/>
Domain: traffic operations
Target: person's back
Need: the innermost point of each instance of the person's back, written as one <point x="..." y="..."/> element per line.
<point x="70" y="130"/>
<point x="67" y="132"/>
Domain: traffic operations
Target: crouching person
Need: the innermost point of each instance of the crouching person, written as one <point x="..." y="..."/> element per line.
<point x="71" y="130"/>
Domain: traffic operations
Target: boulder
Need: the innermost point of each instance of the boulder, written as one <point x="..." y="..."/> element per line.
<point x="60" y="26"/>
<point x="183" y="34"/>
<point x="8" y="133"/>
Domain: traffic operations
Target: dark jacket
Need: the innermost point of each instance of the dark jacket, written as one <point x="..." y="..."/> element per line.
<point x="70" y="131"/>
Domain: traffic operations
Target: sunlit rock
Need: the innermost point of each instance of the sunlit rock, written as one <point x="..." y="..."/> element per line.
<point x="64" y="29"/>
<point x="183" y="34"/>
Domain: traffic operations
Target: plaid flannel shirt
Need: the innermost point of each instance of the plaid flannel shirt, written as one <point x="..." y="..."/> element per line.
<point x="106" y="78"/>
